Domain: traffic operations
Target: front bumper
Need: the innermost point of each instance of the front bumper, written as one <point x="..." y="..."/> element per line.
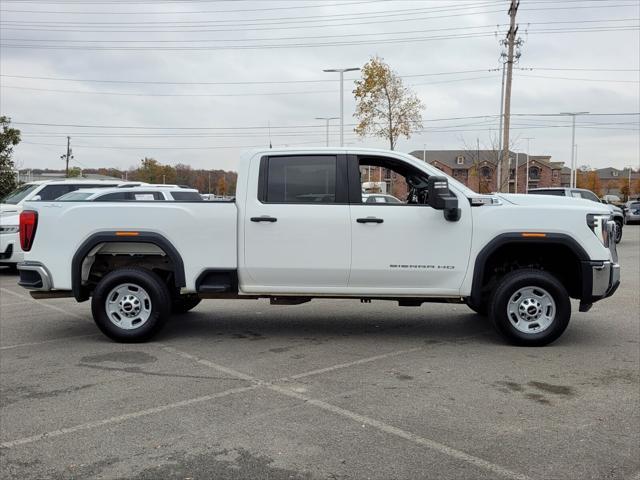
<point x="601" y="279"/>
<point x="34" y="276"/>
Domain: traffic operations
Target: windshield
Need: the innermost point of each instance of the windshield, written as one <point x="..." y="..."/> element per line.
<point x="19" y="194"/>
<point x="75" y="196"/>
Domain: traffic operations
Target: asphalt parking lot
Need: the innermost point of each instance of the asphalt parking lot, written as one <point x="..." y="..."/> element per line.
<point x="329" y="390"/>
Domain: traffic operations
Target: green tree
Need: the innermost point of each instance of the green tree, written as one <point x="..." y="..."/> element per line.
<point x="384" y="106"/>
<point x="9" y="138"/>
<point x="75" y="172"/>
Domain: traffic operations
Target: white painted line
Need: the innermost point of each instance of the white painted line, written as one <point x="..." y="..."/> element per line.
<point x="390" y="429"/>
<point x="19" y="345"/>
<point x="351" y="364"/>
<point x="126" y="416"/>
<point x="52" y="307"/>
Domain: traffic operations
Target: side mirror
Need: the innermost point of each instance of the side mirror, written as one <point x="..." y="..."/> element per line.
<point x="36" y="198"/>
<point x="441" y="198"/>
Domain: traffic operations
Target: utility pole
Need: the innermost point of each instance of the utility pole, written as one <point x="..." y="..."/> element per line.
<point x="499" y="173"/>
<point x="512" y="56"/>
<point x="66" y="157"/>
<point x="526" y="187"/>
<point x="341" y="71"/>
<point x="327" y="119"/>
<point x="209" y="190"/>
<point x="574" y="175"/>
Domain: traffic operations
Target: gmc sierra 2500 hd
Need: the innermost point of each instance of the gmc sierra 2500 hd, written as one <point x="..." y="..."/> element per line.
<point x="299" y="229"/>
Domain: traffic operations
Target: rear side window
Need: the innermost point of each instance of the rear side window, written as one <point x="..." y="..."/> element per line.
<point x="112" y="197"/>
<point x="557" y="193"/>
<point x="130" y="196"/>
<point x="52" y="192"/>
<point x="304" y="179"/>
<point x="187" y="196"/>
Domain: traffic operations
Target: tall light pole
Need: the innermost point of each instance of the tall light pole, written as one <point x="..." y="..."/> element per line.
<point x="573" y="142"/>
<point x="526" y="187"/>
<point x="327" y="119"/>
<point x="341" y="71"/>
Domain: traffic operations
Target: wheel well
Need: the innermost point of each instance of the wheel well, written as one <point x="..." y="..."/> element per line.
<point x="556" y="258"/>
<point x="102" y="253"/>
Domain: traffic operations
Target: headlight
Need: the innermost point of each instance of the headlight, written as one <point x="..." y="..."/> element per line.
<point x="9" y="229"/>
<point x="599" y="226"/>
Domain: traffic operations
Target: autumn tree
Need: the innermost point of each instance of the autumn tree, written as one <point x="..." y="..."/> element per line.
<point x="589" y="180"/>
<point x="384" y="106"/>
<point x="9" y="138"/>
<point x="75" y="172"/>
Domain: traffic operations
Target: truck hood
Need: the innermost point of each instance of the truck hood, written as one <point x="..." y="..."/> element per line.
<point x="532" y="200"/>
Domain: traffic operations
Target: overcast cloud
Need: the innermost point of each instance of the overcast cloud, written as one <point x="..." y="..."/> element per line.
<point x="144" y="41"/>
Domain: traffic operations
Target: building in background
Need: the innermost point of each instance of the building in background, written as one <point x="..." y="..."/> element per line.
<point x="477" y="169"/>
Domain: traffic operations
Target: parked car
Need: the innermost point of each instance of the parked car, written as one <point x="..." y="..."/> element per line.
<point x="617" y="214"/>
<point x="11" y="204"/>
<point x="632" y="211"/>
<point x="379" y="198"/>
<point x="134" y="193"/>
<point x="518" y="257"/>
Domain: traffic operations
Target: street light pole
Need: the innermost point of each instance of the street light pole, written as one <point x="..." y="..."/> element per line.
<point x="327" y="119"/>
<point x="341" y="71"/>
<point x="573" y="142"/>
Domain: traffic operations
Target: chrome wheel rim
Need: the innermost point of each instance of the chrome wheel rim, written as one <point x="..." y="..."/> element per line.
<point x="128" y="306"/>
<point x="531" y="310"/>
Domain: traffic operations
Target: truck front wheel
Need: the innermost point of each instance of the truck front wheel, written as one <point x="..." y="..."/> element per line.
<point x="530" y="307"/>
<point x="131" y="304"/>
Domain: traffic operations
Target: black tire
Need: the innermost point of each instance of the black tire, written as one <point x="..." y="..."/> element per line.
<point x="184" y="303"/>
<point x="158" y="308"/>
<point x="508" y="286"/>
<point x="481" y="309"/>
<point x="619" y="226"/>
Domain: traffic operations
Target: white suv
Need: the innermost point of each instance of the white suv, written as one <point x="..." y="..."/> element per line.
<point x="11" y="205"/>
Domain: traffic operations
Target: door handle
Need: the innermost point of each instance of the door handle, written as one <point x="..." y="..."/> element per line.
<point x="264" y="218"/>
<point x="369" y="220"/>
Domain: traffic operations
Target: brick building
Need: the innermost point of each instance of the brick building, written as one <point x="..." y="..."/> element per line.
<point x="477" y="169"/>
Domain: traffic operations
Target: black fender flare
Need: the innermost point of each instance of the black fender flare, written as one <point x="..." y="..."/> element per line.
<point x="112" y="236"/>
<point x="518" y="238"/>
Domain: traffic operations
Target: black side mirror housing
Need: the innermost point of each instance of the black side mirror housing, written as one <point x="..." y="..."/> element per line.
<point x="441" y="198"/>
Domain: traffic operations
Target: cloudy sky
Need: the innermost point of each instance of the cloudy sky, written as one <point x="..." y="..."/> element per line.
<point x="197" y="81"/>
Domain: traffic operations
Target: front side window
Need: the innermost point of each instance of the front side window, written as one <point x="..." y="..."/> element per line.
<point x="391" y="182"/>
<point x="589" y="196"/>
<point x="187" y="196"/>
<point x="304" y="179"/>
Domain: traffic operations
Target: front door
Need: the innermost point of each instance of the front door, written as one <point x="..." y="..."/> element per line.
<point x="297" y="232"/>
<point x="403" y="246"/>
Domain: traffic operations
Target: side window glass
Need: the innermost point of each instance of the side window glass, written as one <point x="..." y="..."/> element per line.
<point x="575" y="194"/>
<point x="590" y="196"/>
<point x="308" y="179"/>
<point x="147" y="196"/>
<point x="112" y="197"/>
<point x="51" y="192"/>
<point x="391" y="182"/>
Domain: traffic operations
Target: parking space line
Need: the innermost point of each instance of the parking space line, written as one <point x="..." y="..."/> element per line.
<point x="350" y="364"/>
<point x="19" y="345"/>
<point x="386" y="428"/>
<point x="390" y="429"/>
<point x="127" y="416"/>
<point x="52" y="307"/>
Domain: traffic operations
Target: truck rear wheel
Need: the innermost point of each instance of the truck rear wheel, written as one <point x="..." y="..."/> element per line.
<point x="530" y="307"/>
<point x="131" y="304"/>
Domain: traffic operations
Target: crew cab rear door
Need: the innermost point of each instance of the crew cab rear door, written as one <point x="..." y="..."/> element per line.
<point x="297" y="231"/>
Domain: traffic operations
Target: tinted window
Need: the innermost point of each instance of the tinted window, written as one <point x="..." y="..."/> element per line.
<point x="113" y="197"/>
<point x="301" y="180"/>
<point x="187" y="196"/>
<point x="589" y="196"/>
<point x="557" y="193"/>
<point x="51" y="192"/>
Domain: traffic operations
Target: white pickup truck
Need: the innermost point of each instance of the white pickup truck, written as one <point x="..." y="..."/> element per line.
<point x="299" y="229"/>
